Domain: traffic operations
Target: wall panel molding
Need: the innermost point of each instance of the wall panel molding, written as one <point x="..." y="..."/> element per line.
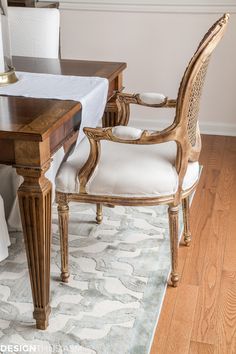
<point x="208" y="7"/>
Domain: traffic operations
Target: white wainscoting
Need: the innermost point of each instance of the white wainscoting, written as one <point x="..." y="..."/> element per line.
<point x="157" y="42"/>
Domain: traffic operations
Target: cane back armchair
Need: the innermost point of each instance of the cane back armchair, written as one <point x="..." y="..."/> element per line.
<point x="121" y="165"/>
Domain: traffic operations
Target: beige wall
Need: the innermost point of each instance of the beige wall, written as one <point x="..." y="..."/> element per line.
<point x="157" y="46"/>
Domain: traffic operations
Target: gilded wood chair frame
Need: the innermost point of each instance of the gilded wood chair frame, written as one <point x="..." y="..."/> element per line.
<point x="184" y="131"/>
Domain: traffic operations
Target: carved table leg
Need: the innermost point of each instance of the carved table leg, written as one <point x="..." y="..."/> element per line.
<point x="111" y="115"/>
<point x="117" y="112"/>
<point x="35" y="206"/>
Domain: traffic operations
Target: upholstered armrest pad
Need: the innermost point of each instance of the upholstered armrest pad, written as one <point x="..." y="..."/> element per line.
<point x="152" y="98"/>
<point x="126" y="133"/>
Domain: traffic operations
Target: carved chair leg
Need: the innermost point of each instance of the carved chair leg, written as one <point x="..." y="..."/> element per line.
<point x="63" y="217"/>
<point x="187" y="233"/>
<point x="174" y="244"/>
<point x="99" y="215"/>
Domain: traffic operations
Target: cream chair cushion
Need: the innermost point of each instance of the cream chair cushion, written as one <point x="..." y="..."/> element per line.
<point x="152" y="98"/>
<point x="127" y="170"/>
<point x="126" y="133"/>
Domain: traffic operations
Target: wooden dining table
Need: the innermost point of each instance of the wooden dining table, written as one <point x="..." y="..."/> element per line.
<point x="31" y="131"/>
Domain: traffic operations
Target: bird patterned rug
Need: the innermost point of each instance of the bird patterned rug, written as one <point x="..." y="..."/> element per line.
<point x="111" y="305"/>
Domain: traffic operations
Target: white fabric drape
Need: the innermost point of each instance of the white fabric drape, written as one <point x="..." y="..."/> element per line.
<point x="4" y="236"/>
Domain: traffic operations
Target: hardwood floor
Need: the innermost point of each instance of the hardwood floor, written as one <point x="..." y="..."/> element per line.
<point x="199" y="317"/>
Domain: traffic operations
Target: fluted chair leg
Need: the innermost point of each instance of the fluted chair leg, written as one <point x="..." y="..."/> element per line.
<point x="187" y="233"/>
<point x="173" y="212"/>
<point x="63" y="217"/>
<point x="99" y="215"/>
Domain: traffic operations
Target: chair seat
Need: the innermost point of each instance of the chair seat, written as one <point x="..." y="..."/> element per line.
<point x="127" y="170"/>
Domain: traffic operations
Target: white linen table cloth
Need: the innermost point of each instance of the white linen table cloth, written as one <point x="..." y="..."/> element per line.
<point x="91" y="92"/>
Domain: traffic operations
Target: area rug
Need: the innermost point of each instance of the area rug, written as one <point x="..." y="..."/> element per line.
<point x="111" y="305"/>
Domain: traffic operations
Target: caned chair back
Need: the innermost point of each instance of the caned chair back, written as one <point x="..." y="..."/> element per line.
<point x="34" y="32"/>
<point x="192" y="82"/>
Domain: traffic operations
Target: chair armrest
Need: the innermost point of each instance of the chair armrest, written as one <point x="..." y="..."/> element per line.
<point x="149" y="99"/>
<point x="155" y="100"/>
<point x="130" y="135"/>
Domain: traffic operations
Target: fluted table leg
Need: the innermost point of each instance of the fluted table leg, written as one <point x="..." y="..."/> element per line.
<point x="35" y="206"/>
<point x="111" y="116"/>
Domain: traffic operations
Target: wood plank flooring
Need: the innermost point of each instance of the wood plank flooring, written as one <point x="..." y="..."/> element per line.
<point x="199" y="317"/>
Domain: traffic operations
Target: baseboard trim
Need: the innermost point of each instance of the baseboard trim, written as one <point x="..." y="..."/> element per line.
<point x="139" y="7"/>
<point x="218" y="129"/>
<point x="205" y="127"/>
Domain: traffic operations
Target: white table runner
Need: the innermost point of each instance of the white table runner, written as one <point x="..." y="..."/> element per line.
<point x="91" y="92"/>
